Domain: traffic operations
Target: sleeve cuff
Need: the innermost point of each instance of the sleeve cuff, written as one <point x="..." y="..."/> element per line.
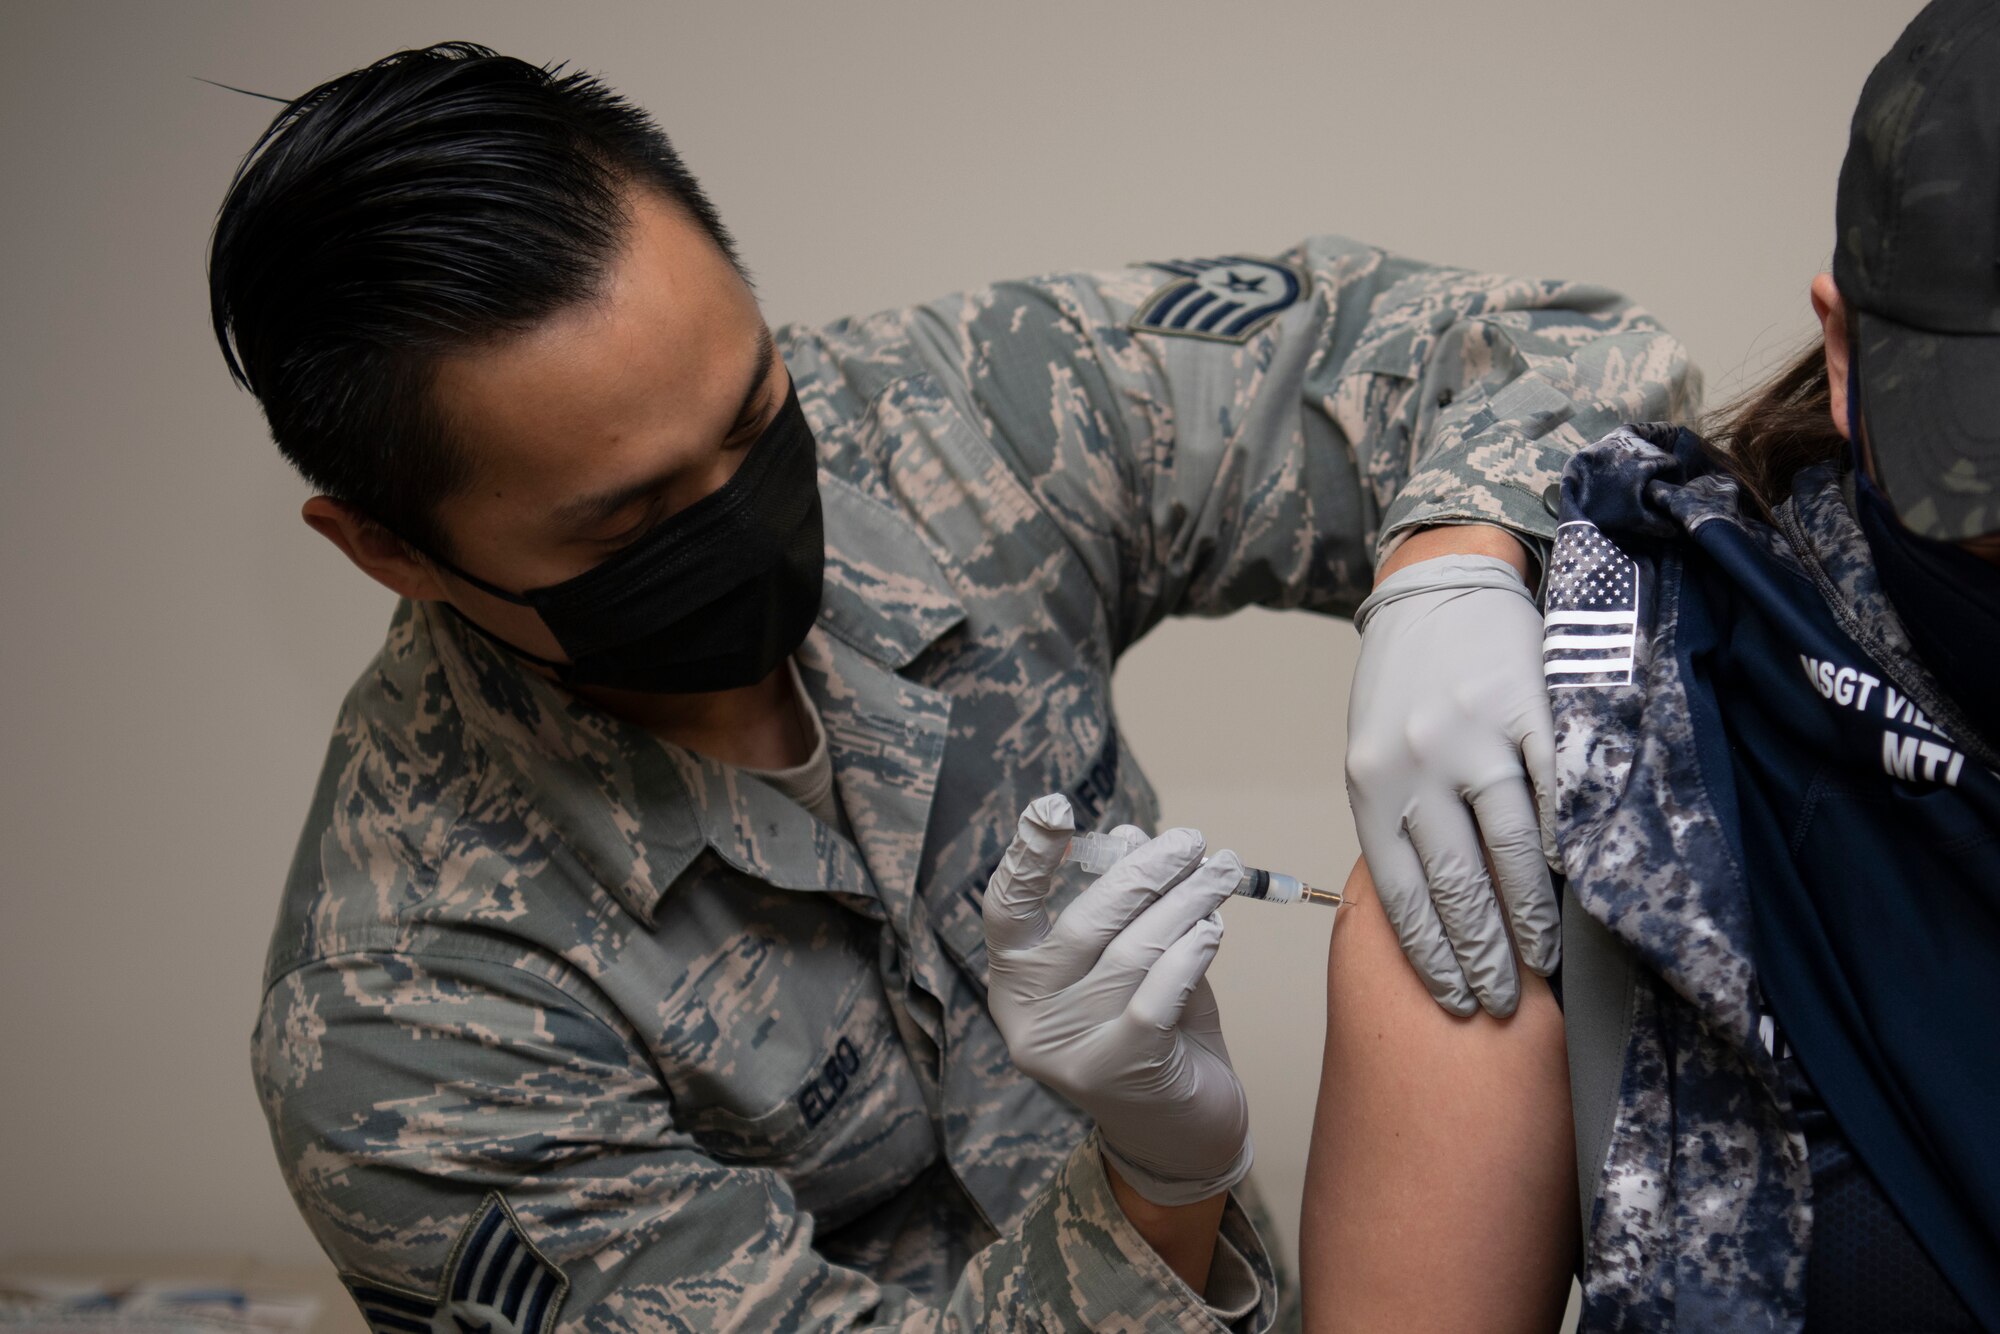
<point x="1086" y="1261"/>
<point x="1233" y="1290"/>
<point x="1496" y="467"/>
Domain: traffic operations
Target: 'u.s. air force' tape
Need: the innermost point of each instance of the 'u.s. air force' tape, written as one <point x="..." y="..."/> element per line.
<point x="495" y="1282"/>
<point x="1225" y="300"/>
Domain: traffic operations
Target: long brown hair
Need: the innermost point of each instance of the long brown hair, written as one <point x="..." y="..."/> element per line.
<point x="1769" y="434"/>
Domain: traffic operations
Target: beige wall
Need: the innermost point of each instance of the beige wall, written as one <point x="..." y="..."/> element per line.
<point x="173" y="642"/>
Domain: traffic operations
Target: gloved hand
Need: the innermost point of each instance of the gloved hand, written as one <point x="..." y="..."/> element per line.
<point x="1109" y="1006"/>
<point x="1450" y="743"/>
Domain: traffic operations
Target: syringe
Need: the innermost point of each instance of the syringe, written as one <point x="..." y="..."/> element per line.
<point x="1093" y="853"/>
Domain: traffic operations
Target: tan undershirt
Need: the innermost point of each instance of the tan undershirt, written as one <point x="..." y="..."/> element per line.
<point x="809" y="784"/>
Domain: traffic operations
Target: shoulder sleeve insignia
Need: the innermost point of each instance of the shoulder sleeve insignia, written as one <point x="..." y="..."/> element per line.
<point x="1223" y="300"/>
<point x="495" y="1282"/>
<point x="1590" y="616"/>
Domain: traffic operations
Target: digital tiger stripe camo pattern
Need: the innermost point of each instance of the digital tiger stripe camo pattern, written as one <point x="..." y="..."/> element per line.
<point x="730" y="1067"/>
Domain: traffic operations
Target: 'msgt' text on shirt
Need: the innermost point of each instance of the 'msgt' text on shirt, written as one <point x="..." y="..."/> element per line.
<point x="1911" y="758"/>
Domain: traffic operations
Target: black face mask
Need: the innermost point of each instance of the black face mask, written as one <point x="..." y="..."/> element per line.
<point x="713" y="598"/>
<point x="1947" y="598"/>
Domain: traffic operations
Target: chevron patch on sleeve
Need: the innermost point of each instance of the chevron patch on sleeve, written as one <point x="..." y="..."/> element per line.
<point x="1224" y="300"/>
<point x="496" y="1282"/>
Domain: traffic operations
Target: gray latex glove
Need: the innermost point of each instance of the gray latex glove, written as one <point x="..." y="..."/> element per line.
<point x="1450" y="744"/>
<point x="1109" y="1005"/>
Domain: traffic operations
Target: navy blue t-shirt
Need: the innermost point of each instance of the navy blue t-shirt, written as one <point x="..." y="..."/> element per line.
<point x="1870" y="844"/>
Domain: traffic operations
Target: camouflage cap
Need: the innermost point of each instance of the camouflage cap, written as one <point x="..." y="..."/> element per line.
<point x="1918" y="262"/>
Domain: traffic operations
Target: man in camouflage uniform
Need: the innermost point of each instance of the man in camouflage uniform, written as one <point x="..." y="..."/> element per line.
<point x="567" y="1020"/>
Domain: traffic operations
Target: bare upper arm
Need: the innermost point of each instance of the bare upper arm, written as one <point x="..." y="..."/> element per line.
<point x="1440" y="1190"/>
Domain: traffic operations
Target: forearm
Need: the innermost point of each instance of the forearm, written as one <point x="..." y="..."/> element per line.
<point x="1459" y="539"/>
<point x="1440" y="1188"/>
<point x="1183" y="1235"/>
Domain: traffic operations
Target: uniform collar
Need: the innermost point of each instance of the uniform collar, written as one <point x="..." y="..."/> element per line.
<point x="635" y="811"/>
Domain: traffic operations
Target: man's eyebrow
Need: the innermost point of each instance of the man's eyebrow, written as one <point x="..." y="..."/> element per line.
<point x="767" y="352"/>
<point x="587" y="510"/>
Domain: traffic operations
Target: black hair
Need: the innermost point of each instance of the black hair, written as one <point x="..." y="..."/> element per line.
<point x="432" y="201"/>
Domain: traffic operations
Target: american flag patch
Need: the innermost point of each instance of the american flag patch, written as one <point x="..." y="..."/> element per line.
<point x="1590" y="619"/>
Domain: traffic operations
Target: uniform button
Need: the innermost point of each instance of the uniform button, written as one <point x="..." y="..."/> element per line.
<point x="1552" y="498"/>
<point x="1444" y="398"/>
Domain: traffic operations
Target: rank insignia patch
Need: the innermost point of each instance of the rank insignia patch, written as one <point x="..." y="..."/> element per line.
<point x="496" y="1282"/>
<point x="1225" y="300"/>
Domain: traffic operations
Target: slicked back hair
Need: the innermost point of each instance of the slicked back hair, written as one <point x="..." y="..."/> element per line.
<point x="433" y="201"/>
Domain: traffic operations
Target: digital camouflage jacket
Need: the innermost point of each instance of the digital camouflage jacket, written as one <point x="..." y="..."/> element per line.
<point x="1696" y="1167"/>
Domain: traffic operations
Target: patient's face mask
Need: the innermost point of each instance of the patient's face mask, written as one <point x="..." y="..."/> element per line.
<point x="1947" y="598"/>
<point x="713" y="598"/>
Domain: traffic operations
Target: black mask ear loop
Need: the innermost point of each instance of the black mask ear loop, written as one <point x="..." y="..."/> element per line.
<point x="493" y="590"/>
<point x="1858" y="449"/>
<point x="560" y="668"/>
<point x="1854" y="436"/>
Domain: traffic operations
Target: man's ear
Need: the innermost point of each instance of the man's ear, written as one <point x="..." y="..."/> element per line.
<point x="1833" y="326"/>
<point x="375" y="551"/>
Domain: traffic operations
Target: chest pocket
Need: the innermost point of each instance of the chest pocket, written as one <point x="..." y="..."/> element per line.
<point x="780" y="1049"/>
<point x="1107" y="791"/>
<point x="1900" y="833"/>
